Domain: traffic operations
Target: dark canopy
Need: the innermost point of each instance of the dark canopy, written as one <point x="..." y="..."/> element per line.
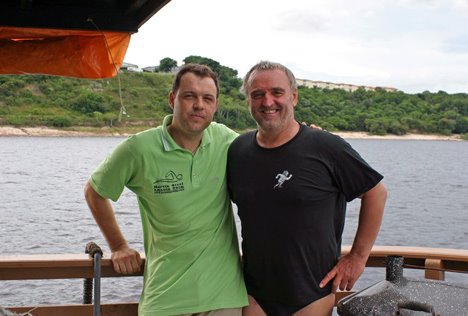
<point x="109" y="15"/>
<point x="77" y="38"/>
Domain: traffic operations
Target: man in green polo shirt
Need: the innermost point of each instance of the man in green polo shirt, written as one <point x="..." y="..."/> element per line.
<point x="178" y="173"/>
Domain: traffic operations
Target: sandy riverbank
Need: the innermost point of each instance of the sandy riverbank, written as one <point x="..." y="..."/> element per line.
<point x="45" y="131"/>
<point x="407" y="136"/>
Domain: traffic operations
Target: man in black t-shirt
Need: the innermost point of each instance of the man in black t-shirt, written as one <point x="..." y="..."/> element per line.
<point x="291" y="185"/>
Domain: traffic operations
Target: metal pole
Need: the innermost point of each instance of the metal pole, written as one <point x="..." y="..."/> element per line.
<point x="95" y="252"/>
<point x="97" y="283"/>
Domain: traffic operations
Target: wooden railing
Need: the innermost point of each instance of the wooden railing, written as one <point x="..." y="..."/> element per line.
<point x="63" y="266"/>
<point x="435" y="261"/>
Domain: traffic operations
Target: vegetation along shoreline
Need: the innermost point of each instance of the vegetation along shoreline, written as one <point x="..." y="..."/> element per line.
<point x="43" y="131"/>
<point x="135" y="101"/>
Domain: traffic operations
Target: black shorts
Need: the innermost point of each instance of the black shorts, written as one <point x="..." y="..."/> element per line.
<point x="278" y="309"/>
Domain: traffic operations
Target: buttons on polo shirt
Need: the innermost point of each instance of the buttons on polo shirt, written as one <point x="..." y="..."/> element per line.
<point x="198" y="165"/>
<point x="195" y="179"/>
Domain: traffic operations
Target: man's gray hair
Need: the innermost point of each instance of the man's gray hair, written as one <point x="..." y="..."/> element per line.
<point x="267" y="65"/>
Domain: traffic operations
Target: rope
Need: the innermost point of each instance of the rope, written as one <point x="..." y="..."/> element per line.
<point x="123" y="110"/>
<point x="6" y="312"/>
<point x="87" y="291"/>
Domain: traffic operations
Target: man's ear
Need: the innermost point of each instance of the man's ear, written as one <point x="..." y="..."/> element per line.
<point x="295" y="97"/>
<point x="171" y="99"/>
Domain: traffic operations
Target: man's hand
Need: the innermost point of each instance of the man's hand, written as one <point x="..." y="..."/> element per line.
<point x="345" y="273"/>
<point x="126" y="260"/>
<point x="350" y="267"/>
<point x="312" y="125"/>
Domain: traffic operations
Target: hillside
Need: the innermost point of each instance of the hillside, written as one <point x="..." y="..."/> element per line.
<point x="67" y="103"/>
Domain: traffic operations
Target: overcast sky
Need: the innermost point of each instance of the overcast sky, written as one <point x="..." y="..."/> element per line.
<point x="411" y="45"/>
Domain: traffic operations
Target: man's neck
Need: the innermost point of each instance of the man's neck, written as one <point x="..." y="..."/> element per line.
<point x="189" y="142"/>
<point x="273" y="138"/>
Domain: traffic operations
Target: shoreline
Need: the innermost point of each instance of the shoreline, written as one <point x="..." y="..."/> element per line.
<point x="106" y="131"/>
<point x="43" y="131"/>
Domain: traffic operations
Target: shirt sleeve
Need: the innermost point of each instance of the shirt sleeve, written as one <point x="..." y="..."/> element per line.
<point x="113" y="174"/>
<point x="354" y="176"/>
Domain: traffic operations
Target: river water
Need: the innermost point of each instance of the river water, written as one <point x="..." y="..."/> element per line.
<point x="42" y="209"/>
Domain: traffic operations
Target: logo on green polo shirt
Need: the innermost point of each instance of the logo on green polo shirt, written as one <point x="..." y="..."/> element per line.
<point x="171" y="183"/>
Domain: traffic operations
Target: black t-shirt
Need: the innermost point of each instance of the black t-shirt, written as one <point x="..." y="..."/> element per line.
<point x="292" y="201"/>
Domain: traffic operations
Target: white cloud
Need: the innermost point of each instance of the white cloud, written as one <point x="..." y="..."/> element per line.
<point x="413" y="45"/>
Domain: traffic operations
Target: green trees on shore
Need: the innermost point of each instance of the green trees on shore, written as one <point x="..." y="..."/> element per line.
<point x="381" y="112"/>
<point x="61" y="102"/>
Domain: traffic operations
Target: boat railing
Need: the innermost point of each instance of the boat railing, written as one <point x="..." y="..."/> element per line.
<point x="434" y="261"/>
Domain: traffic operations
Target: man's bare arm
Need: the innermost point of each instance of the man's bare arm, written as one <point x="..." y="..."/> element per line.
<point x="350" y="267"/>
<point x="124" y="259"/>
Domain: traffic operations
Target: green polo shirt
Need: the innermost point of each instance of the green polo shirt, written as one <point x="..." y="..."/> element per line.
<point x="190" y="240"/>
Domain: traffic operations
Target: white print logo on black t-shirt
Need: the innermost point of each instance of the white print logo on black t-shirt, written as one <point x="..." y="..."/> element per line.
<point x="282" y="177"/>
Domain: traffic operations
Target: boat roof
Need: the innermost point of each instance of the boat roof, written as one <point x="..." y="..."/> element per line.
<point x="108" y="15"/>
<point x="76" y="38"/>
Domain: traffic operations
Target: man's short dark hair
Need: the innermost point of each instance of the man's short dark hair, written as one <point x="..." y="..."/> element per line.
<point x="199" y="70"/>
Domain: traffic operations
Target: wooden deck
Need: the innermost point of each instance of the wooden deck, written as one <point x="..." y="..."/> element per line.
<point x="435" y="261"/>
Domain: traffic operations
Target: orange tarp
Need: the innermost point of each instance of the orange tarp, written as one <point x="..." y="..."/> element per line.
<point x="82" y="54"/>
